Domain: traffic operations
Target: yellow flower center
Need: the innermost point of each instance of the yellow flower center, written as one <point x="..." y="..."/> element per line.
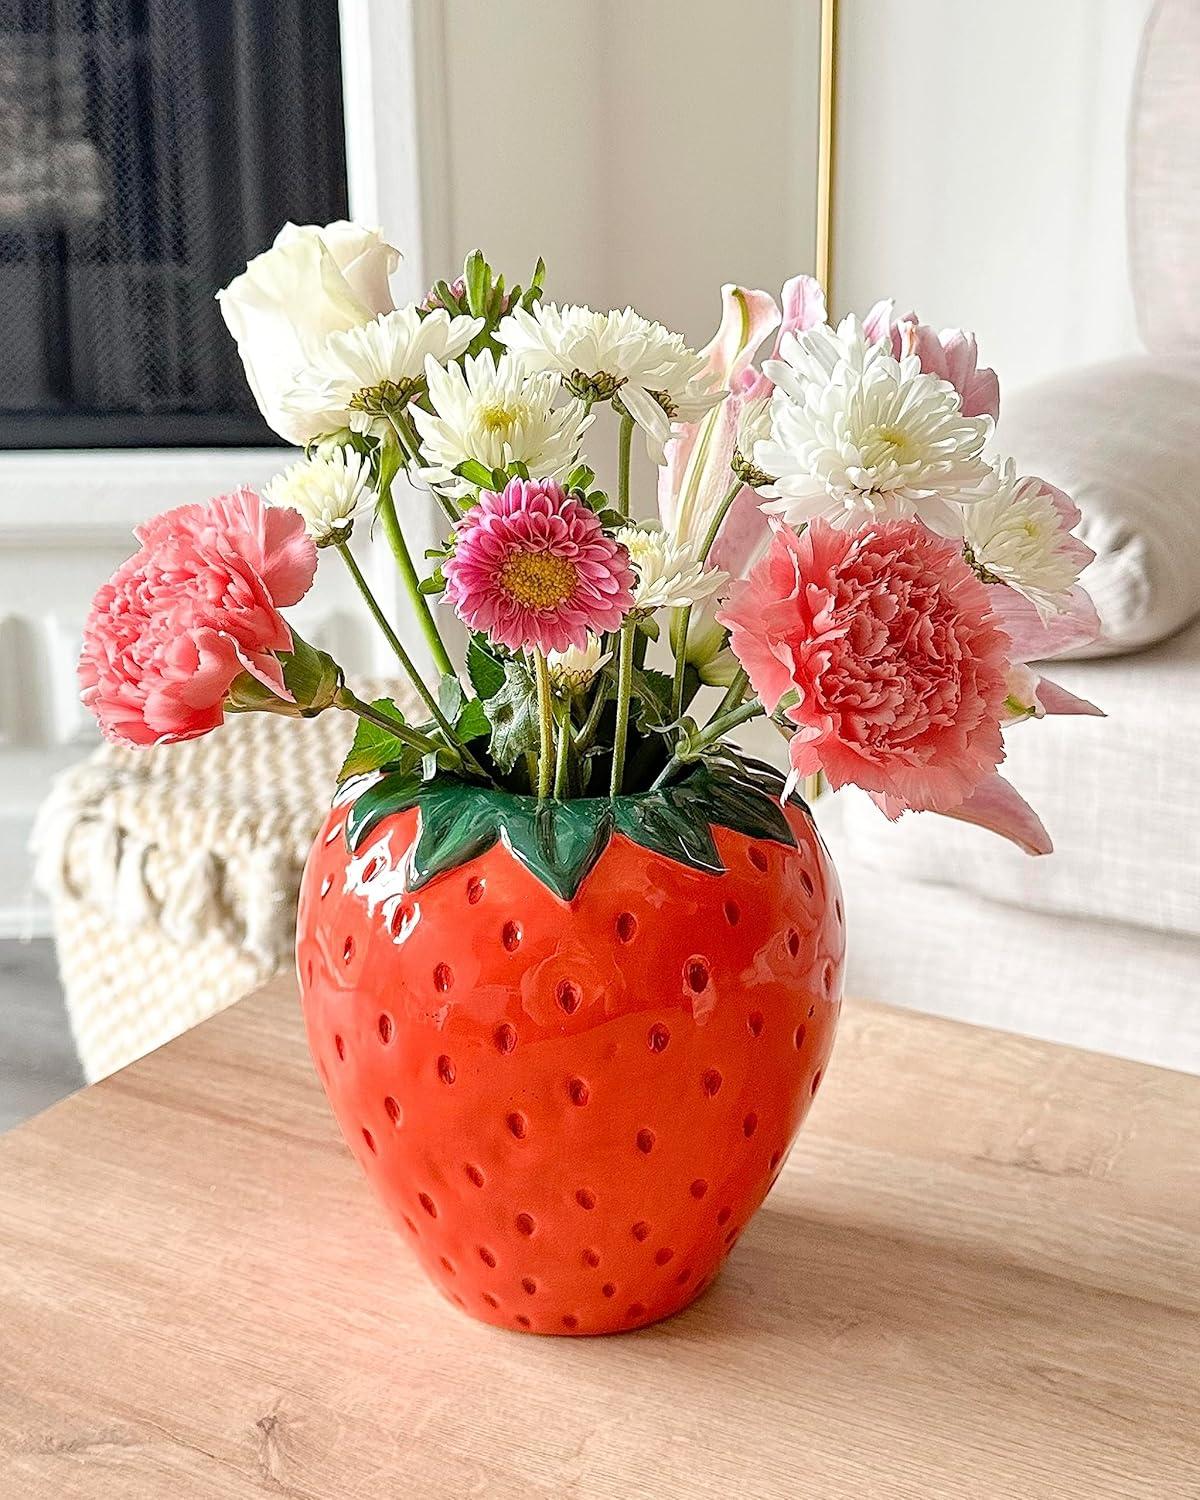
<point x="897" y="440"/>
<point x="499" y="418"/>
<point x="538" y="580"/>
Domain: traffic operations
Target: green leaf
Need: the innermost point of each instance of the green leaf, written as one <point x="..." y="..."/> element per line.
<point x="475" y="473"/>
<point x="477" y="277"/>
<point x="559" y="842"/>
<point x="655" y="822"/>
<point x="513" y="712"/>
<point x="473" y="722"/>
<point x="653" y="690"/>
<point x="434" y="584"/>
<point x="450" y="696"/>
<point x="485" y="672"/>
<point x="374" y="747"/>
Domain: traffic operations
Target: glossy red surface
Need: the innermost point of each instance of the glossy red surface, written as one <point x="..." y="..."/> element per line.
<point x="571" y="1111"/>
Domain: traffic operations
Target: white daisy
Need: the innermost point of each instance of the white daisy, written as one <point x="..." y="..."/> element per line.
<point x="645" y="368"/>
<point x="331" y="489"/>
<point x="572" y="670"/>
<point x="358" y="379"/>
<point x="497" y="413"/>
<point x="670" y="574"/>
<point x="857" y="434"/>
<point x="1021" y="536"/>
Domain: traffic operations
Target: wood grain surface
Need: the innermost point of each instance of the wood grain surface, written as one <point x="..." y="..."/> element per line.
<point x="977" y="1277"/>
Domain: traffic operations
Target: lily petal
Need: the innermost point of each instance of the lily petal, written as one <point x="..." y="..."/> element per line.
<point x="999" y="807"/>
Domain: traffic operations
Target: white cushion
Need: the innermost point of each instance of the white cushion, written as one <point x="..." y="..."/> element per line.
<point x="1118" y="796"/>
<point x="1123" y="440"/>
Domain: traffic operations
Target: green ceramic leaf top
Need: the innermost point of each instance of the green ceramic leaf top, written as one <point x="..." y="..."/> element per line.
<point x="559" y="842"/>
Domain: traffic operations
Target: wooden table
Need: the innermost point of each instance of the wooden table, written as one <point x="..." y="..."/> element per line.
<point x="977" y="1277"/>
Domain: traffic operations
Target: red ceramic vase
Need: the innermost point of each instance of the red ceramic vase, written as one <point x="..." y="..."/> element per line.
<point x="570" y="1108"/>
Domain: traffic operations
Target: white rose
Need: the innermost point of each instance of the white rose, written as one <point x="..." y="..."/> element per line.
<point x="312" y="282"/>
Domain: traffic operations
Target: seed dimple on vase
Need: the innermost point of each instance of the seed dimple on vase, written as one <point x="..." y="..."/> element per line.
<point x="517" y="1124"/>
<point x="801" y="1033"/>
<point x="510" y="936"/>
<point x="474" y="1174"/>
<point x="340" y="1047"/>
<point x="645" y="1141"/>
<point x="640" y="1231"/>
<point x="578" y="1091"/>
<point x="490" y="1300"/>
<point x="523" y="1321"/>
<point x="569" y="996"/>
<point x="663" y="1256"/>
<point x="504" y="1038"/>
<point x="474" y="890"/>
<point x="326" y="886"/>
<point x="806" y="881"/>
<point x="393" y="1111"/>
<point x="608" y="1290"/>
<point x="626" y="927"/>
<point x="793" y="942"/>
<point x="724" y="1216"/>
<point x="816" y="1083"/>
<point x="758" y="859"/>
<point x="711" y="1082"/>
<point x="636" y="1312"/>
<point x="733" y="913"/>
<point x="528" y="1285"/>
<point x="525" y="1224"/>
<point x="486" y="1256"/>
<point x="658" y="1038"/>
<point x="749" y="1124"/>
<point x="348" y="950"/>
<point x="754" y="1023"/>
<point x="570" y="1322"/>
<point x="699" y="1188"/>
<point x="427" y="1204"/>
<point x="445" y="1068"/>
<point x="585" y="1198"/>
<point x="387" y="1028"/>
<point x="591" y="1258"/>
<point x="443" y="978"/>
<point x="696" y="973"/>
<point x="370" y="1140"/>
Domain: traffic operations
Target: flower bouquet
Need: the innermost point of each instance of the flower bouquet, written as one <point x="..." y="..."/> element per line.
<point x="570" y="959"/>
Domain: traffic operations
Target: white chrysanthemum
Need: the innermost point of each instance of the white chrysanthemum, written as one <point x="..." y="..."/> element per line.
<point x="497" y="413"/>
<point x="572" y="670"/>
<point x="669" y="574"/>
<point x="857" y="434"/>
<point x="355" y="379"/>
<point x="648" y="369"/>
<point x="331" y="489"/>
<point x="1021" y="536"/>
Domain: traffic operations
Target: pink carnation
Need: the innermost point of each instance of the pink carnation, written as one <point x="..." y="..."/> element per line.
<point x="888" y="639"/>
<point x="196" y="606"/>
<point x="950" y="355"/>
<point x="534" y="567"/>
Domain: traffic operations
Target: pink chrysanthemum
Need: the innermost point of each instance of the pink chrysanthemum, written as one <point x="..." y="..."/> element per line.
<point x="889" y="640"/>
<point x="532" y="567"/>
<point x="195" y="607"/>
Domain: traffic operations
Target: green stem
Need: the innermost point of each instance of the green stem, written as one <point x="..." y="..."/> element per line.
<point x="410" y="446"/>
<point x="348" y="701"/>
<point x="623" y="455"/>
<point x="734" y="694"/>
<point x="545" y="703"/>
<point x="562" y="757"/>
<point x="680" y="620"/>
<point x="624" y="692"/>
<point x="710" y="536"/>
<point x="587" y="733"/>
<point x="712" y="731"/>
<point x="412" y="584"/>
<point x="406" y="661"/>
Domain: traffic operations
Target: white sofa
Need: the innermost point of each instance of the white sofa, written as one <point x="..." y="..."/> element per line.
<point x="1098" y="944"/>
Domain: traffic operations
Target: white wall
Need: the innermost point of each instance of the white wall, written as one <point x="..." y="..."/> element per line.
<point x="981" y="171"/>
<point x="650" y="149"/>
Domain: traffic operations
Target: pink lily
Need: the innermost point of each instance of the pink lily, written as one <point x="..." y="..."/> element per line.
<point x="951" y="355"/>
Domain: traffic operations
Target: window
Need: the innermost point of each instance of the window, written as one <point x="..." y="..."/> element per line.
<point x="148" y="148"/>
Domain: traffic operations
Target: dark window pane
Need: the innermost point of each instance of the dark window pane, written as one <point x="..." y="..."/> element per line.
<point x="148" y="148"/>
